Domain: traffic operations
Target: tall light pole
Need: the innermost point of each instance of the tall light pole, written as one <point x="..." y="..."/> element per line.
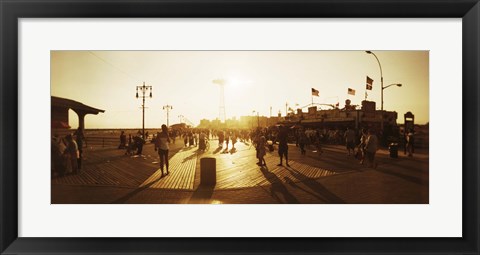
<point x="381" y="75"/>
<point x="144" y="90"/>
<point x="221" y="113"/>
<point x="167" y="108"/>
<point x="253" y="114"/>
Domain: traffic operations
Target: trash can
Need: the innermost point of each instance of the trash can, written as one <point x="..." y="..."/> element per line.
<point x="208" y="171"/>
<point x="393" y="148"/>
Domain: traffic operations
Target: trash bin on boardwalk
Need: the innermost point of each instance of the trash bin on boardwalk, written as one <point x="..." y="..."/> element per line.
<point x="208" y="171"/>
<point x="393" y="148"/>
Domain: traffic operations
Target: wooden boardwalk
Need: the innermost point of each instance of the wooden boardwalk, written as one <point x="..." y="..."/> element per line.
<point x="182" y="172"/>
<point x="112" y="167"/>
<point x="237" y="169"/>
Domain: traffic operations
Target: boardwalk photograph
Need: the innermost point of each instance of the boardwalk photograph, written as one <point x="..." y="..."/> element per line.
<point x="239" y="127"/>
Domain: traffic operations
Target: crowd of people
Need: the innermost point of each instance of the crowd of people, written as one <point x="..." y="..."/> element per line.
<point x="66" y="153"/>
<point x="362" y="144"/>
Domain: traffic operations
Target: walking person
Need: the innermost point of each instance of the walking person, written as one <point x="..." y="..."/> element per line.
<point x="260" y="147"/>
<point x="302" y="141"/>
<point x="202" y="141"/>
<point x="361" y="147"/>
<point x="283" y="145"/>
<point x="371" y="148"/>
<point x="221" y="137"/>
<point x="185" y="138"/>
<point x="410" y="141"/>
<point x="161" y="145"/>
<point x="138" y="140"/>
<point x="234" y="140"/>
<point x="195" y="138"/>
<point x="190" y="139"/>
<point x="350" y="141"/>
<point x="227" y="138"/>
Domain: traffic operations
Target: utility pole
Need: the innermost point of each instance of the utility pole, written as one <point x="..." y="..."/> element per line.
<point x="221" y="113"/>
<point x="167" y="108"/>
<point x="144" y="90"/>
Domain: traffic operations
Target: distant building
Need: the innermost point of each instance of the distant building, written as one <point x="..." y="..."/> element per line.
<point x="204" y="123"/>
<point x="349" y="116"/>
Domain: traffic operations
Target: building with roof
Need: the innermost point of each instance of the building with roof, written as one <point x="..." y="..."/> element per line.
<point x="59" y="112"/>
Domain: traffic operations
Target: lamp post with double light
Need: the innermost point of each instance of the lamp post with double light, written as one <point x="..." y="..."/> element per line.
<point x="144" y="90"/>
<point x="168" y="108"/>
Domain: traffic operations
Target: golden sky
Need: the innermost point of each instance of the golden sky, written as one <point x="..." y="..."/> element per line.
<point x="256" y="80"/>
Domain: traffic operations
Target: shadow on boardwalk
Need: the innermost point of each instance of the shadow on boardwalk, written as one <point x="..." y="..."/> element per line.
<point x="130" y="195"/>
<point x="202" y="195"/>
<point x="277" y="186"/>
<point x="319" y="190"/>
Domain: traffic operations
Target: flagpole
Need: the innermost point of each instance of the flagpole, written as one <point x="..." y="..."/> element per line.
<point x="312" y="100"/>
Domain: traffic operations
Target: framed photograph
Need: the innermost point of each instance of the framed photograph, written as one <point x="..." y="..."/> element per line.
<point x="239" y="127"/>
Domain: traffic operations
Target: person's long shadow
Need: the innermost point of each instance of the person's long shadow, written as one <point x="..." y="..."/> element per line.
<point x="277" y="186"/>
<point x="135" y="192"/>
<point x="316" y="187"/>
<point x="217" y="150"/>
<point x="202" y="195"/>
<point x="193" y="155"/>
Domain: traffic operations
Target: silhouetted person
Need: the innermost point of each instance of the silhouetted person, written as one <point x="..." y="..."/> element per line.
<point x="185" y="138"/>
<point x="79" y="138"/>
<point x="190" y="139"/>
<point x="57" y="148"/>
<point x="350" y="140"/>
<point x="410" y="141"/>
<point x="282" y="144"/>
<point x="161" y="144"/>
<point x="72" y="154"/>
<point x="371" y="148"/>
<point x="227" y="139"/>
<point x="260" y="146"/>
<point x="362" y="146"/>
<point x="221" y="137"/>
<point x="123" y="140"/>
<point x="202" y="141"/>
<point x="302" y="141"/>
<point x="139" y="144"/>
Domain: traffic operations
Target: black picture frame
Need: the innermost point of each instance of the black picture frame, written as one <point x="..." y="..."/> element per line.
<point x="11" y="11"/>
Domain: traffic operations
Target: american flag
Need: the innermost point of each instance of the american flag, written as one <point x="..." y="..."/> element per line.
<point x="315" y="92"/>
<point x="369" y="83"/>
<point x="351" y="91"/>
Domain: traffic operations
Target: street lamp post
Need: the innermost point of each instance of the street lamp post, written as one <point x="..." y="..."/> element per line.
<point x="381" y="75"/>
<point x="144" y="90"/>
<point x="258" y="120"/>
<point x="168" y="108"/>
